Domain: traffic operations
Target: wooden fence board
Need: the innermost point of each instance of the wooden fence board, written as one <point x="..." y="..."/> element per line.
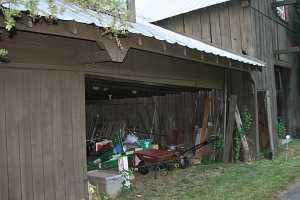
<point x="230" y="128"/>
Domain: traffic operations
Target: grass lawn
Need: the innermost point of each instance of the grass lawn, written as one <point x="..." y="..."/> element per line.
<point x="258" y="180"/>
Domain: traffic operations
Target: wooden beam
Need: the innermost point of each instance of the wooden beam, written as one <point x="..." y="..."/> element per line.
<point x="270" y="123"/>
<point x="283" y="64"/>
<point x="287" y="51"/>
<point x="245" y="146"/>
<point x="204" y="124"/>
<point x="136" y="41"/>
<point x="230" y="128"/>
<point x="257" y="139"/>
<point x="283" y="3"/>
<point x="95" y="57"/>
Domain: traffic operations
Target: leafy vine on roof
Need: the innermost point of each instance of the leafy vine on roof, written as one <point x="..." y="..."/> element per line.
<point x="116" y="8"/>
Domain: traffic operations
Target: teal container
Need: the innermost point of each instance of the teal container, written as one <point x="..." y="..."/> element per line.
<point x="145" y="144"/>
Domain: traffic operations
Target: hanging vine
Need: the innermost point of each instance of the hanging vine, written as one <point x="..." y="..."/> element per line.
<point x="117" y="9"/>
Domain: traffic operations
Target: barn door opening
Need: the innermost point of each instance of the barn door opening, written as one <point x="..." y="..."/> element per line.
<point x="282" y="80"/>
<point x="167" y="114"/>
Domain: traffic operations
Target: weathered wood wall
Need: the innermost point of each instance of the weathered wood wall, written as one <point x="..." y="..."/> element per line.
<point x="42" y="135"/>
<point x="252" y="29"/>
<point x="165" y="115"/>
<point x="52" y="51"/>
<point x="42" y="118"/>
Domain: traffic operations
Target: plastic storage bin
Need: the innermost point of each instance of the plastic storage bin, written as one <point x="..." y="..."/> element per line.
<point x="106" y="181"/>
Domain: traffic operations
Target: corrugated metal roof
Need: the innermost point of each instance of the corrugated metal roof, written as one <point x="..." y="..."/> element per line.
<point x="155" y="10"/>
<point x="73" y="12"/>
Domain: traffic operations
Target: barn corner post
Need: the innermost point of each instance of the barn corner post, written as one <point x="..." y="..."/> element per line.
<point x="256" y="122"/>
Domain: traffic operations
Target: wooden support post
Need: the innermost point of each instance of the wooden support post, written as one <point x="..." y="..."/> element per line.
<point x="257" y="140"/>
<point x="225" y="103"/>
<point x="230" y="128"/>
<point x="245" y="146"/>
<point x="204" y="123"/>
<point x="270" y="124"/>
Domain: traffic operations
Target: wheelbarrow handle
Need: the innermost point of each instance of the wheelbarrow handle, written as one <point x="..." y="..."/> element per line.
<point x="210" y="140"/>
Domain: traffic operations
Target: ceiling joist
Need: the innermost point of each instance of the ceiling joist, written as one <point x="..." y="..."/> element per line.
<point x="287" y="51"/>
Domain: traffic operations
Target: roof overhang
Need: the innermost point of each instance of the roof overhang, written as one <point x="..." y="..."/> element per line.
<point x="83" y="24"/>
<point x="145" y="8"/>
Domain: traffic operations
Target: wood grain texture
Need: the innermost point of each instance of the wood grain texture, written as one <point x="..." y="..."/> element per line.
<point x="25" y="144"/>
<point x="12" y="103"/>
<point x="215" y="26"/>
<point x="225" y="27"/>
<point x="3" y="140"/>
<point x="230" y="127"/>
<point x="42" y="135"/>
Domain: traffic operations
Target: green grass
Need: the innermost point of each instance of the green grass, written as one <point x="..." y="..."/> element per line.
<point x="259" y="180"/>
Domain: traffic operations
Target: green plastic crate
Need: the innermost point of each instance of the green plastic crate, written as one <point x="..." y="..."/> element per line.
<point x="110" y="164"/>
<point x="145" y="144"/>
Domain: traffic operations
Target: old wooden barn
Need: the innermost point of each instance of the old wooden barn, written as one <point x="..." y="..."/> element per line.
<point x="58" y="77"/>
<point x="261" y="29"/>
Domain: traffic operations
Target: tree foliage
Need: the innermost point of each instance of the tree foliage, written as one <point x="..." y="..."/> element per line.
<point x="115" y="8"/>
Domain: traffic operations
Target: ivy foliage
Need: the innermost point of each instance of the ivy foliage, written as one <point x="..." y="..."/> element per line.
<point x="281" y="129"/>
<point x="247" y="122"/>
<point x="115" y="8"/>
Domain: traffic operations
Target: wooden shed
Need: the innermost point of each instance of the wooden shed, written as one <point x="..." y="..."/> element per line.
<point x="259" y="28"/>
<point x="53" y="70"/>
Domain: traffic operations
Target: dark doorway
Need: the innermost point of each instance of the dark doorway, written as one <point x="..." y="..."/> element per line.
<point x="282" y="77"/>
<point x="264" y="139"/>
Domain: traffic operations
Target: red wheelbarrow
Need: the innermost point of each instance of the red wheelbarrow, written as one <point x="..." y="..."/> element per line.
<point x="163" y="160"/>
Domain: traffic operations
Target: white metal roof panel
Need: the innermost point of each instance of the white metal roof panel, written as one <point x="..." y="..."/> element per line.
<point x="155" y="10"/>
<point x="73" y="12"/>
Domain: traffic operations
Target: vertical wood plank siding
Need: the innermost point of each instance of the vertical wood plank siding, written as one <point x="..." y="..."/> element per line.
<point x="42" y="131"/>
<point x="254" y="30"/>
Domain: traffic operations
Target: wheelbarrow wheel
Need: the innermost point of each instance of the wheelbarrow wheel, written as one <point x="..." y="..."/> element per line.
<point x="142" y="168"/>
<point x="184" y="162"/>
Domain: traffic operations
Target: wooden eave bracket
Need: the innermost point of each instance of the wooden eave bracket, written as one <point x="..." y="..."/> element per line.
<point x="287" y="51"/>
<point x="115" y="52"/>
<point x="245" y="3"/>
<point x="283" y="3"/>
